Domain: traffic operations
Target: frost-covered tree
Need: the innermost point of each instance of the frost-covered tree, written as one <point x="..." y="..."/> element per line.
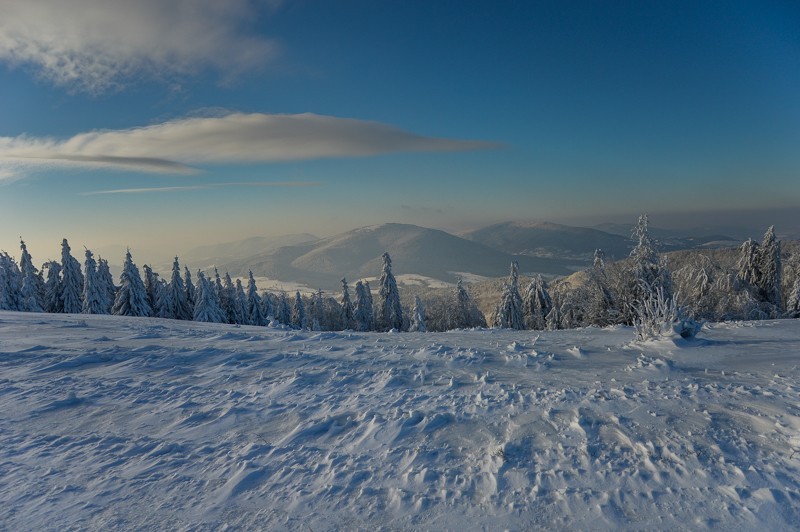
<point x="95" y="295"/>
<point x="163" y="299"/>
<point x="748" y="265"/>
<point x="362" y="313"/>
<point x="466" y="313"/>
<point x="769" y="266"/>
<point x="553" y="319"/>
<point x="228" y="301"/>
<point x="224" y="297"/>
<point x="190" y="290"/>
<point x="254" y="305"/>
<point x="283" y="312"/>
<point x="71" y="281"/>
<point x="649" y="271"/>
<point x="178" y="304"/>
<point x="793" y="301"/>
<point x="537" y="304"/>
<point x="52" y="287"/>
<point x="206" y="306"/>
<point x="418" y="319"/>
<point x="10" y="283"/>
<point x="32" y="288"/>
<point x="348" y="312"/>
<point x="316" y="311"/>
<point x="131" y="299"/>
<point x="509" y="313"/>
<point x="389" y="311"/>
<point x="600" y="307"/>
<point x="151" y="283"/>
<point x="106" y="281"/>
<point x="299" y="318"/>
<point x="241" y="304"/>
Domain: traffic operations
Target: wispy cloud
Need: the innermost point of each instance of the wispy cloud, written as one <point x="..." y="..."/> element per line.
<point x="254" y="184"/>
<point x="177" y="146"/>
<point x="99" y="45"/>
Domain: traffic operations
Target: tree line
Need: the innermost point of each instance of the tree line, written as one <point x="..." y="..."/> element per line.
<point x="639" y="291"/>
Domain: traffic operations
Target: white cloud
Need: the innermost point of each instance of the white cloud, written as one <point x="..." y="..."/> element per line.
<point x="99" y="45"/>
<point x="253" y="184"/>
<point x="175" y="146"/>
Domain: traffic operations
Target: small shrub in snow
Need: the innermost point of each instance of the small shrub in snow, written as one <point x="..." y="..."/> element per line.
<point x="658" y="315"/>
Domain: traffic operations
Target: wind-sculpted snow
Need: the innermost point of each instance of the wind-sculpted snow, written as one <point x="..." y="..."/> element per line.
<point x="136" y="423"/>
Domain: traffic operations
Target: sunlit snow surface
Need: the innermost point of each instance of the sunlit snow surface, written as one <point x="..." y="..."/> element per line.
<point x="109" y="422"/>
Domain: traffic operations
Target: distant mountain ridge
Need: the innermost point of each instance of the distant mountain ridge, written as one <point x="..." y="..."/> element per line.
<point x="414" y="250"/>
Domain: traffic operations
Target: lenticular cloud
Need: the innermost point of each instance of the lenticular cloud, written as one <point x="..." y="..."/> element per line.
<point x="175" y="146"/>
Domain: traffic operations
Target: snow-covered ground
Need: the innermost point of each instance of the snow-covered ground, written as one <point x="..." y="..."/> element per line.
<point x="109" y="422"/>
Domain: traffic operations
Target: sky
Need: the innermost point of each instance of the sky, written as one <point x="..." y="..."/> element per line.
<point x="166" y="125"/>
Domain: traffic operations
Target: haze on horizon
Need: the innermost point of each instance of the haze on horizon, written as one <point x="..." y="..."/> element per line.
<point x="163" y="126"/>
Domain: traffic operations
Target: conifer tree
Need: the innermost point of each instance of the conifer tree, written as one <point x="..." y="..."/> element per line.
<point x="32" y="288"/>
<point x="151" y="284"/>
<point x="299" y="318"/>
<point x="283" y="313"/>
<point x="163" y="299"/>
<point x="131" y="298"/>
<point x="107" y="282"/>
<point x="95" y="295"/>
<point x="71" y="281"/>
<point x="748" y="265"/>
<point x="769" y="266"/>
<point x="242" y="315"/>
<point x="418" y="319"/>
<point x="190" y="290"/>
<point x="509" y="314"/>
<point x="466" y="313"/>
<point x="537" y="304"/>
<point x="347" y="315"/>
<point x="206" y="307"/>
<point x="178" y="308"/>
<point x="228" y="301"/>
<point x="10" y="283"/>
<point x="52" y="288"/>
<point x="315" y="310"/>
<point x="389" y="312"/>
<point x="363" y="315"/>
<point x="254" y="305"/>
<point x="793" y="302"/>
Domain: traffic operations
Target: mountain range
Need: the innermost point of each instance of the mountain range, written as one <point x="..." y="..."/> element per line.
<point x="421" y="254"/>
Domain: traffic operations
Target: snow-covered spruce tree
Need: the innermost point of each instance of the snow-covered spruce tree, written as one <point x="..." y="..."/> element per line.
<point x="553" y="319"/>
<point x="163" y="299"/>
<point x="466" y="314"/>
<point x="649" y="271"/>
<point x="793" y="301"/>
<point x="206" y="307"/>
<point x="223" y="297"/>
<point x="599" y="306"/>
<point x="537" y="304"/>
<point x="748" y="265"/>
<point x="658" y="315"/>
<point x="32" y="289"/>
<point x="228" y="300"/>
<point x="255" y="311"/>
<point x="418" y="320"/>
<point x="151" y="289"/>
<point x="299" y="319"/>
<point x="362" y="314"/>
<point x="509" y="313"/>
<point x="269" y="304"/>
<point x="52" y="287"/>
<point x="95" y="295"/>
<point x="348" y="313"/>
<point x="316" y="311"/>
<point x="71" y="281"/>
<point x="190" y="291"/>
<point x="389" y="312"/>
<point x="178" y="308"/>
<point x="283" y="312"/>
<point x="769" y="266"/>
<point x="241" y="304"/>
<point x="106" y="280"/>
<point x="10" y="283"/>
<point x="131" y="298"/>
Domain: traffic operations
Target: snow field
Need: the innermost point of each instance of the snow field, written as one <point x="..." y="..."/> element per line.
<point x="136" y="423"/>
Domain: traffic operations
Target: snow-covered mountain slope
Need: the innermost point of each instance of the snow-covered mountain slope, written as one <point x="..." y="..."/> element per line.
<point x="415" y="251"/>
<point x="109" y="422"/>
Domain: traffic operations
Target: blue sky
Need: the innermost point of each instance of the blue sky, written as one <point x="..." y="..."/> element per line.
<point x="167" y="125"/>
